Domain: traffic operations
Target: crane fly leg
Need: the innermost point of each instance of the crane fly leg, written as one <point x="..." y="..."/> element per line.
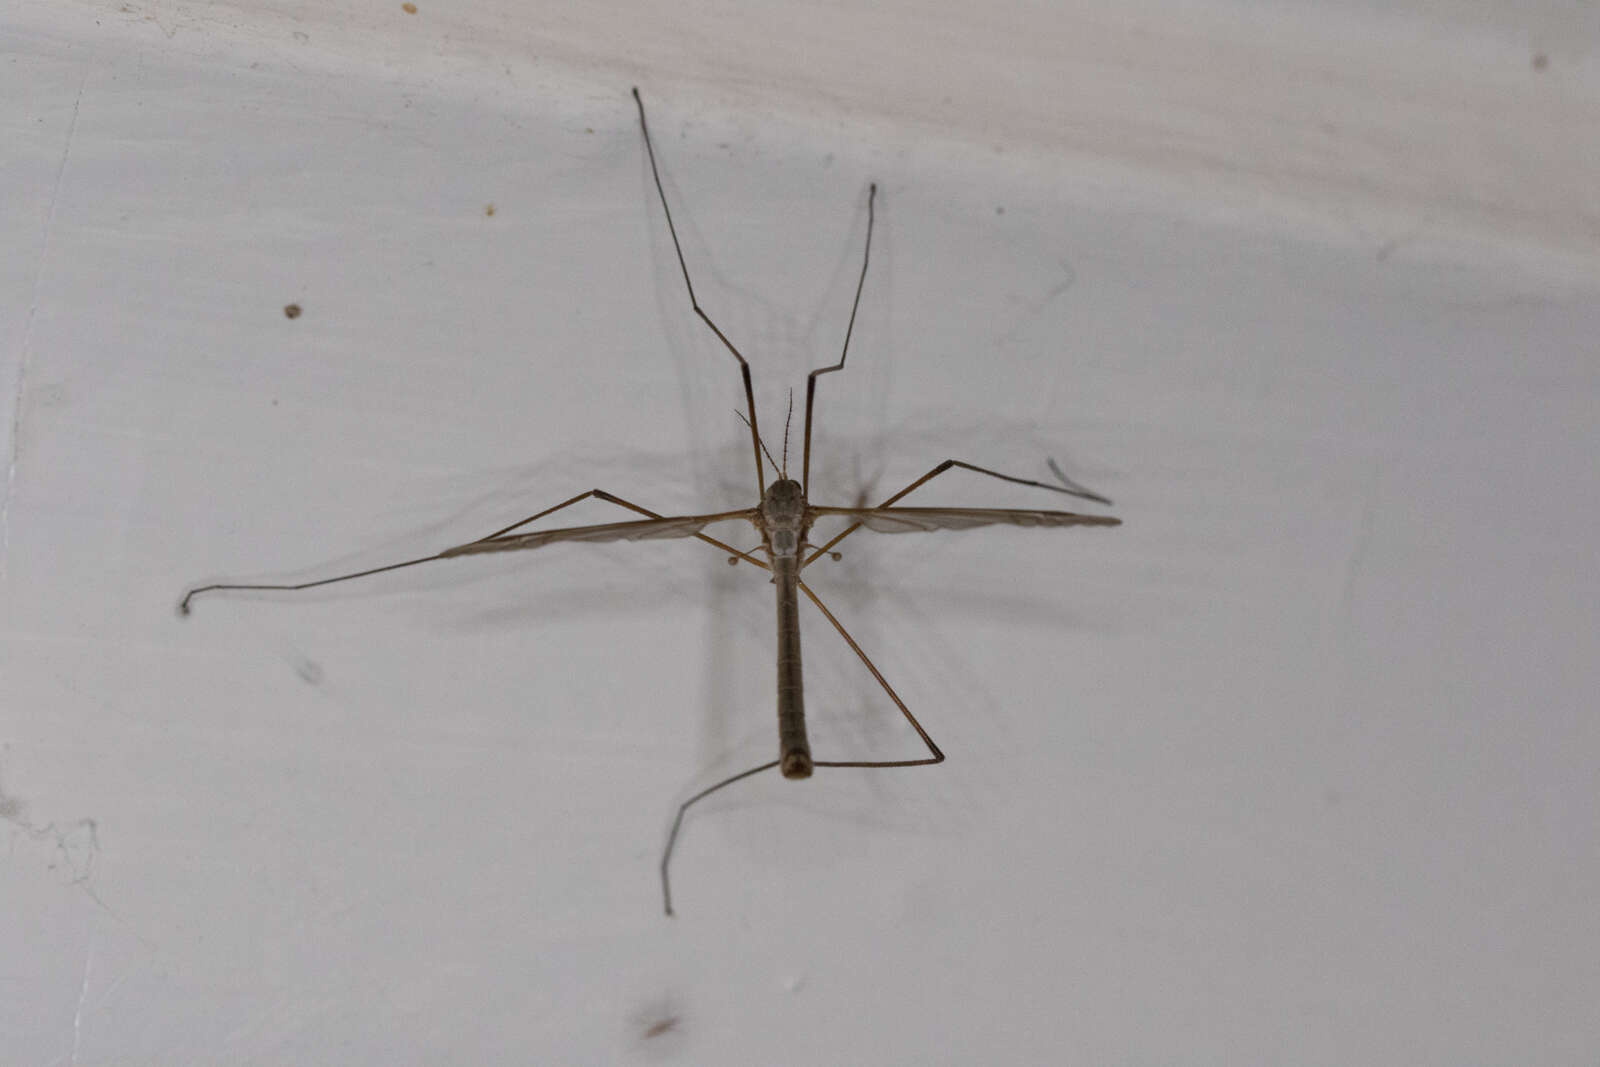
<point x="1069" y="488"/>
<point x="612" y="498"/>
<point x="694" y="301"/>
<point x="935" y="754"/>
<point x="598" y="494"/>
<point x="811" y="379"/>
<point x="672" y="835"/>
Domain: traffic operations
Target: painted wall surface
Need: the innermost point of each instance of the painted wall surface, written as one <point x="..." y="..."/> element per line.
<point x="1298" y="765"/>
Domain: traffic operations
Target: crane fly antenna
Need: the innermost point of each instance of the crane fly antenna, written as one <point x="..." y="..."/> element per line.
<point x="763" y="444"/>
<point x="787" y="419"/>
<point x="811" y="379"/>
<point x="683" y="265"/>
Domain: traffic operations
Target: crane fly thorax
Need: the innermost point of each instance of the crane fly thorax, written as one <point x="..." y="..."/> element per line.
<point x="783" y="513"/>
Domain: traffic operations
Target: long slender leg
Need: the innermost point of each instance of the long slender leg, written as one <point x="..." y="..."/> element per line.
<point x="672" y="837"/>
<point x="936" y="755"/>
<point x="599" y="494"/>
<point x="811" y="379"/>
<point x="1068" y="488"/>
<point x="744" y="367"/>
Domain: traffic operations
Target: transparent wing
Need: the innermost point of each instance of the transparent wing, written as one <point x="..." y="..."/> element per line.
<point x="641" y="530"/>
<point x="918" y="520"/>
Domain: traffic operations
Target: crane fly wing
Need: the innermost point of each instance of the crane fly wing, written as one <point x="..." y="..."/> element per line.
<point x="641" y="530"/>
<point x="919" y="520"/>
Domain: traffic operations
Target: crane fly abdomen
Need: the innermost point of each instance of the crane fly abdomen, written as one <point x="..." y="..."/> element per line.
<point x="794" y="750"/>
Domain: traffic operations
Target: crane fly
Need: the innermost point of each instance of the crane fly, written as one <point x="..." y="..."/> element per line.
<point x="783" y="519"/>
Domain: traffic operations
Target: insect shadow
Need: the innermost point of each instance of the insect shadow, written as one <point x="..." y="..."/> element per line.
<point x="783" y="519"/>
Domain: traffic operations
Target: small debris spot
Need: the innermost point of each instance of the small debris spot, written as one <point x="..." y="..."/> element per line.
<point x="291" y="311"/>
<point x="488" y="210"/>
<point x="12" y="809"/>
<point x="999" y="209"/>
<point x="310" y="671"/>
<point x="661" y="1026"/>
<point x="1540" y="61"/>
<point x="409" y="8"/>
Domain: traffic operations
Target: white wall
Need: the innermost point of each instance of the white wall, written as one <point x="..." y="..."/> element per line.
<point x="1296" y="766"/>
